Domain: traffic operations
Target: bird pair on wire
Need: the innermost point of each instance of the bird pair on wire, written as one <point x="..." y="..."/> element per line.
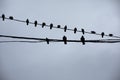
<point x="82" y="40"/>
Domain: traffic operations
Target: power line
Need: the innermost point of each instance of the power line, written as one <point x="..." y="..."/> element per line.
<point x="21" y="41"/>
<point x="57" y="27"/>
<point x="39" y="40"/>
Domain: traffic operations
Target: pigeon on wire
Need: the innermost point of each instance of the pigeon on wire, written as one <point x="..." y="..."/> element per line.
<point x="75" y="30"/>
<point x="102" y="34"/>
<point x="93" y="32"/>
<point x="11" y="17"/>
<point x="43" y="24"/>
<point x="51" y="26"/>
<point x="27" y="21"/>
<point x="58" y="26"/>
<point x="3" y="17"/>
<point x="35" y="23"/>
<point x="65" y="28"/>
<point x="65" y="39"/>
<point x="83" y="31"/>
<point x="110" y="35"/>
<point x="83" y="40"/>
<point x="47" y="40"/>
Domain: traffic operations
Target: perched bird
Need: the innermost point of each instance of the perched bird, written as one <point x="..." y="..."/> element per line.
<point x="58" y="26"/>
<point x="43" y="24"/>
<point x="93" y="32"/>
<point x="102" y="34"/>
<point x="47" y="40"/>
<point x="65" y="28"/>
<point x="65" y="39"/>
<point x="27" y="21"/>
<point x="110" y="35"/>
<point x="83" y="31"/>
<point x="35" y="23"/>
<point x="75" y="30"/>
<point x="11" y="18"/>
<point x="83" y="40"/>
<point x="51" y="26"/>
<point x="3" y="17"/>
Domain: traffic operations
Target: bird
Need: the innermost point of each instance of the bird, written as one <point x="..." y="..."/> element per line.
<point x="51" y="26"/>
<point x="102" y="34"/>
<point x="58" y="26"/>
<point x="35" y="23"/>
<point x="43" y="24"/>
<point x="110" y="35"/>
<point x="65" y="28"/>
<point x="83" y="31"/>
<point x="47" y="40"/>
<point x="3" y="17"/>
<point x="75" y="30"/>
<point x="65" y="39"/>
<point x="11" y="18"/>
<point x="93" y="32"/>
<point x="83" y="40"/>
<point x="27" y="21"/>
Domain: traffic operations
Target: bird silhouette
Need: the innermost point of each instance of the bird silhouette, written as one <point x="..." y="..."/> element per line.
<point x="65" y="28"/>
<point x="102" y="34"/>
<point x="35" y="23"/>
<point x="3" y="17"/>
<point x="110" y="35"/>
<point x="43" y="24"/>
<point x="51" y="26"/>
<point x="65" y="39"/>
<point x="58" y="26"/>
<point x="27" y="21"/>
<point x="83" y="31"/>
<point x="47" y="40"/>
<point x="93" y="32"/>
<point x="75" y="30"/>
<point x="83" y="40"/>
<point x="11" y="18"/>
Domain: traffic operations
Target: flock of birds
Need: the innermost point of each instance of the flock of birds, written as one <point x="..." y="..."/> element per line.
<point x="65" y="28"/>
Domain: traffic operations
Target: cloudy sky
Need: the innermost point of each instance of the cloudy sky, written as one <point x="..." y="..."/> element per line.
<point x="56" y="61"/>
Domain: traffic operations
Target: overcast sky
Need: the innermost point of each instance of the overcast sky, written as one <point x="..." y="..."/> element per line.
<point x="56" y="61"/>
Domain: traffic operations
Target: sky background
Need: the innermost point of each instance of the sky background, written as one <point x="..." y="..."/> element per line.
<point x="56" y="61"/>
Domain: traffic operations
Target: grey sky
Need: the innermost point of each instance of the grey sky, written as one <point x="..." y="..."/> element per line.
<point x="24" y="61"/>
